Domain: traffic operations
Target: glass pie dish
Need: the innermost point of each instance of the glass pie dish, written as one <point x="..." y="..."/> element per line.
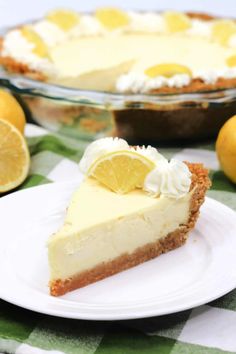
<point x="139" y="118"/>
<point x="149" y="117"/>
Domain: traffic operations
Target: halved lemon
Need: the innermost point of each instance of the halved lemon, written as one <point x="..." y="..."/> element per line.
<point x="222" y="30"/>
<point x="14" y="157"/>
<point x="112" y="18"/>
<point x="121" y="171"/>
<point x="177" y="21"/>
<point x="65" y="19"/>
<point x="226" y="148"/>
<point x="11" y="110"/>
<point x="167" y="70"/>
<point x="40" y="48"/>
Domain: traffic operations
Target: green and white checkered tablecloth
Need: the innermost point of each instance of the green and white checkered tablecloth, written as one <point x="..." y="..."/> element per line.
<point x="208" y="329"/>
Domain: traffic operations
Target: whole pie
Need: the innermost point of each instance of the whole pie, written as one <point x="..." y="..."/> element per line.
<point x="132" y="206"/>
<point x="136" y="52"/>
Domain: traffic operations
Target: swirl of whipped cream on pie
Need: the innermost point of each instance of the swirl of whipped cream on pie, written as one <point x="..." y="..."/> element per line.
<point x="99" y="148"/>
<point x="88" y="26"/>
<point x="232" y="41"/>
<point x="172" y="179"/>
<point x="150" y="153"/>
<point x="138" y="82"/>
<point x="146" y="22"/>
<point x="200" y="28"/>
<point x="49" y="32"/>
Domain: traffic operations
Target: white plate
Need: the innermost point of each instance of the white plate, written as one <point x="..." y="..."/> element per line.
<point x="200" y="271"/>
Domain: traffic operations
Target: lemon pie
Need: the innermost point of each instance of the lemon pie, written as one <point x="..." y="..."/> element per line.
<point x="132" y="206"/>
<point x="133" y="51"/>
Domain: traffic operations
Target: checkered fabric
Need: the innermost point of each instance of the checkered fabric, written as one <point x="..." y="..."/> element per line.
<point x="208" y="329"/>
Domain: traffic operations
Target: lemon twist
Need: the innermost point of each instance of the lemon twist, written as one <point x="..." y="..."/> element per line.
<point x="121" y="171"/>
<point x="167" y="70"/>
<point x="177" y="21"/>
<point x="231" y="61"/>
<point x="65" y="19"/>
<point x="40" y="48"/>
<point x="112" y="18"/>
<point x="222" y="30"/>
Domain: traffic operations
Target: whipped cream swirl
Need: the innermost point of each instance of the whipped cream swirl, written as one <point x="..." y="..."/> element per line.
<point x="138" y="82"/>
<point x="146" y="22"/>
<point x="171" y="179"/>
<point x="99" y="148"/>
<point x="150" y="153"/>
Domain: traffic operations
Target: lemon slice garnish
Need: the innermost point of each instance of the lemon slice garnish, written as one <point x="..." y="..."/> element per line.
<point x="222" y="30"/>
<point x="40" y="48"/>
<point x="121" y="171"/>
<point x="167" y="70"/>
<point x="14" y="157"/>
<point x="112" y="18"/>
<point x="177" y="21"/>
<point x="65" y="19"/>
<point x="231" y="61"/>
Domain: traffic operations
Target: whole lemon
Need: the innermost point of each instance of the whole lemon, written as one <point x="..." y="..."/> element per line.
<point x="226" y="148"/>
<point x="11" y="111"/>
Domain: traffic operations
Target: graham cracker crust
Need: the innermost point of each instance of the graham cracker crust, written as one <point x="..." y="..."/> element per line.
<point x="200" y="184"/>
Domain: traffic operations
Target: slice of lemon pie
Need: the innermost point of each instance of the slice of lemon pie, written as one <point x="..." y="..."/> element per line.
<point x="132" y="206"/>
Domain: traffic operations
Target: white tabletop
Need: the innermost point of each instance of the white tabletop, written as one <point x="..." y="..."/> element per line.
<point x="13" y="11"/>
